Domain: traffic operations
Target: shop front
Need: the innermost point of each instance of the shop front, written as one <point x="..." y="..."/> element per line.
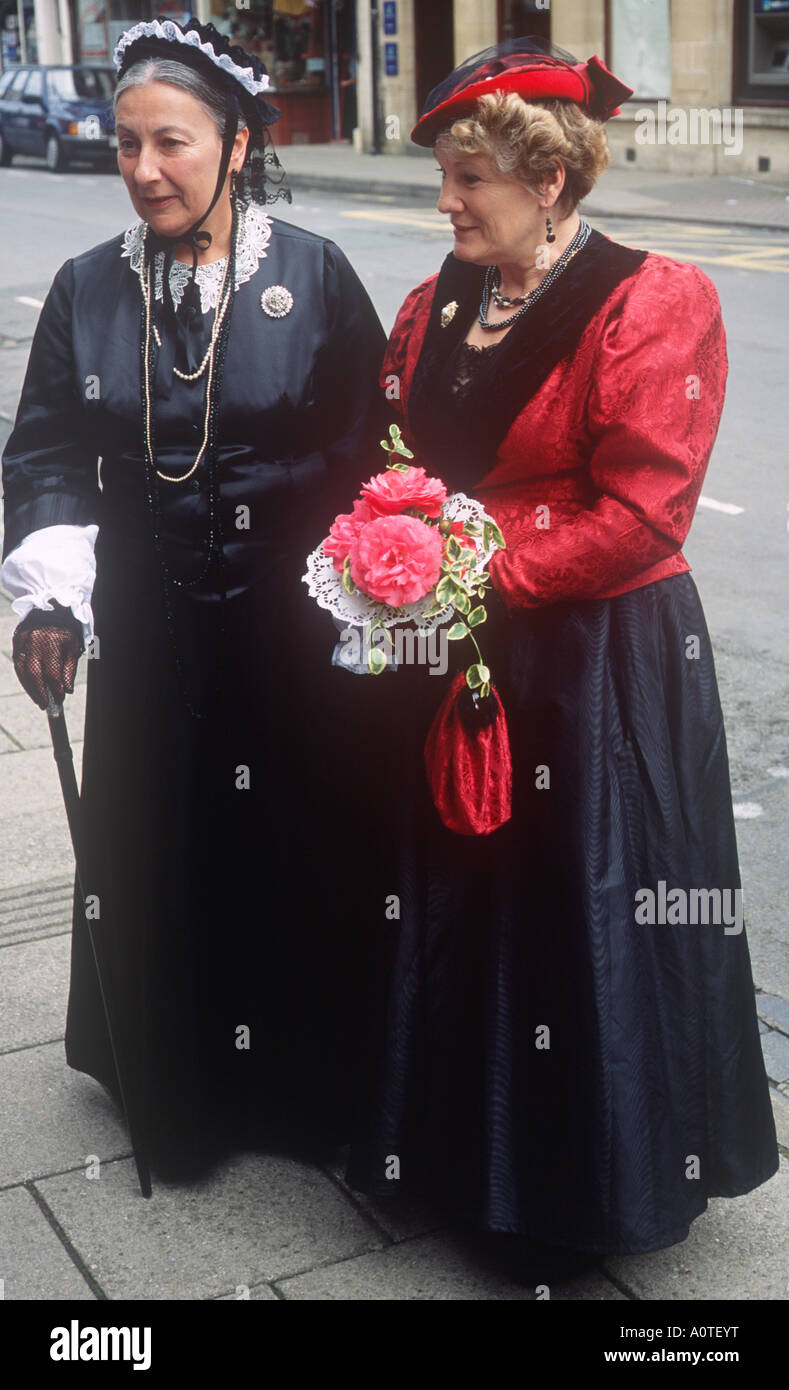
<point x="308" y="48"/>
<point x="18" y="41"/>
<point x="98" y="24"/>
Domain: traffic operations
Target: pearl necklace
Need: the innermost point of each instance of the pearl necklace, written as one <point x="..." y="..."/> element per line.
<point x="492" y="275"/>
<point x="186" y="376"/>
<point x="224" y="300"/>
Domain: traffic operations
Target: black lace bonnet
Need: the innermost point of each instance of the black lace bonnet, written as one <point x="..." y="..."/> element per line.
<point x="242" y="78"/>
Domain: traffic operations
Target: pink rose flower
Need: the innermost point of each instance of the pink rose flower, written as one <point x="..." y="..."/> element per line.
<point x="344" y="530"/>
<point x="396" y="559"/>
<point x="391" y="492"/>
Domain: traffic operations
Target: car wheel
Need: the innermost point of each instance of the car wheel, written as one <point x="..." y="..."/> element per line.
<point x="54" y="154"/>
<point x="6" y="153"/>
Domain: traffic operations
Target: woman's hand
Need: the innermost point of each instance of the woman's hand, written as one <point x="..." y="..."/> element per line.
<point x="46" y="648"/>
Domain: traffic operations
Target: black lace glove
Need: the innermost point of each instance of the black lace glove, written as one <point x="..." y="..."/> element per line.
<point x="46" y="648"/>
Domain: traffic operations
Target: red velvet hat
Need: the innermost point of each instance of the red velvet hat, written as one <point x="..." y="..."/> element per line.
<point x="530" y="67"/>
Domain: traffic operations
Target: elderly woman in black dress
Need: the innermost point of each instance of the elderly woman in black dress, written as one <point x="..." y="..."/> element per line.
<point x="201" y="398"/>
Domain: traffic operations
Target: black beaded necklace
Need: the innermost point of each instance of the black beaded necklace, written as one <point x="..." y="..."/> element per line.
<point x="492" y="277"/>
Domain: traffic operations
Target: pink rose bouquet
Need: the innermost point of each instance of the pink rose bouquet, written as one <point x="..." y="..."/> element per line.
<point x="408" y="552"/>
<point x="404" y="553"/>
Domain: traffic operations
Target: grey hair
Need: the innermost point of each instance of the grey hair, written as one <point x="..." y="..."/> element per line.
<point x="149" y="70"/>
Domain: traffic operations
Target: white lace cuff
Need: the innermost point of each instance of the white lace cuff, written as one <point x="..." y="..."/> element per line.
<point x="55" y="562"/>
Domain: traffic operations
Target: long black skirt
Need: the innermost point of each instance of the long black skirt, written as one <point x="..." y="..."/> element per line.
<point x="224" y="918"/>
<point x="540" y="1061"/>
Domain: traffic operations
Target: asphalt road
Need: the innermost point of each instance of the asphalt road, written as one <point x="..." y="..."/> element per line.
<point x="739" y="544"/>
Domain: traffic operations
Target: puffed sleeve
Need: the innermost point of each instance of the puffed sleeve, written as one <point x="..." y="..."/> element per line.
<point x="54" y="563"/>
<point x="347" y="380"/>
<point x="403" y="348"/>
<point x="50" y="471"/>
<point x="653" y="413"/>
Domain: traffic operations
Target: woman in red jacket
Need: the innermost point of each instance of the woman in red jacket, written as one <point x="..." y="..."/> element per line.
<point x="565" y="1042"/>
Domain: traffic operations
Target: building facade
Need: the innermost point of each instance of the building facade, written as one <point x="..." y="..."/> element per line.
<point x="710" y="77"/>
<point x="308" y="48"/>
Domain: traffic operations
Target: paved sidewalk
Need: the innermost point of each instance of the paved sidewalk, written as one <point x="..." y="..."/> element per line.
<point x="72" y="1221"/>
<point x="621" y="192"/>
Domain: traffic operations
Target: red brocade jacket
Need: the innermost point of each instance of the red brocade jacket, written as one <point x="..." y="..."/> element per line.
<point x="614" y="443"/>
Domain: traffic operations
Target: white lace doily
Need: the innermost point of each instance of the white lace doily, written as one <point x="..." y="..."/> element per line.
<point x="355" y="610"/>
<point x="253" y="238"/>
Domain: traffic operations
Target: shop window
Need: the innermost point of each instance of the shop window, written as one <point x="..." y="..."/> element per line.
<point x="434" y="44"/>
<point x="286" y="35"/>
<point x="100" y="23"/>
<point x="761" y="52"/>
<point x="17" y="45"/>
<point x="640" y="44"/>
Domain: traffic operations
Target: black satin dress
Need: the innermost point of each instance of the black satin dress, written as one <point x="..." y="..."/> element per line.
<point x="538" y="1063"/>
<point x="215" y="841"/>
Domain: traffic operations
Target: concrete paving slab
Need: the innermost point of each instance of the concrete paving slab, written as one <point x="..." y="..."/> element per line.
<point x="51" y="1117"/>
<point x="243" y="1291"/>
<point x="33" y="911"/>
<point x="400" y="1217"/>
<point x="429" y="1268"/>
<point x="738" y="1249"/>
<point x="781" y="1115"/>
<point x="34" y="1263"/>
<point x="33" y="828"/>
<point x="774" y="1010"/>
<point x="7" y="745"/>
<point x="23" y="722"/>
<point x="9" y="685"/>
<point x="254" y="1219"/>
<point x="775" y="1049"/>
<point x="35" y="991"/>
<point x="8" y="621"/>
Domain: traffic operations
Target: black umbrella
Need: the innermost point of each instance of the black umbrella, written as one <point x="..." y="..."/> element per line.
<point x="68" y="783"/>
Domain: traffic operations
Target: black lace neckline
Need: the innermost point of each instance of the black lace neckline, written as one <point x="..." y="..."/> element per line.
<point x="468" y="359"/>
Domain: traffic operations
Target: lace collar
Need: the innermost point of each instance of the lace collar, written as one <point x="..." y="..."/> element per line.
<point x="254" y="236"/>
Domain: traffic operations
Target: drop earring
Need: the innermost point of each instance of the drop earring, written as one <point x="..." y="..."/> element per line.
<point x="550" y="234"/>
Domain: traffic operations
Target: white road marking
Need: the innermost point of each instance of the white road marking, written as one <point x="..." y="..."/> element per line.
<point x="727" y="507"/>
<point x="747" y="810"/>
<point x="778" y="771"/>
<point x="34" y="303"/>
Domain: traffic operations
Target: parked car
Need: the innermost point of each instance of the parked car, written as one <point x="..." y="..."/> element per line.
<point x="61" y="113"/>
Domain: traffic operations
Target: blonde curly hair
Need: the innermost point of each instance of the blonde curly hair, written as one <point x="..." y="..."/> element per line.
<point x="527" y="139"/>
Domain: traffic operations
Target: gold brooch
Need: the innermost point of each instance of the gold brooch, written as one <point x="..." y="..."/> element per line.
<point x="448" y="313"/>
